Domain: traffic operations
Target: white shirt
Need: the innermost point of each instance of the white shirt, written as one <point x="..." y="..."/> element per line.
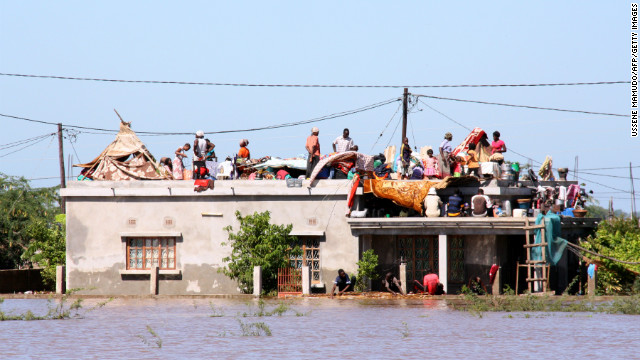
<point x="343" y="144"/>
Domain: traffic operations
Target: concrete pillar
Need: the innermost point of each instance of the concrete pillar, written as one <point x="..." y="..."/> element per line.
<point x="591" y="283"/>
<point x="403" y="276"/>
<point x="495" y="287"/>
<point x="153" y="287"/>
<point x="61" y="280"/>
<point x="257" y="280"/>
<point x="306" y="280"/>
<point x="443" y="256"/>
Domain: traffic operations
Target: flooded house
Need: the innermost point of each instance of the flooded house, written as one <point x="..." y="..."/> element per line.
<point x="117" y="231"/>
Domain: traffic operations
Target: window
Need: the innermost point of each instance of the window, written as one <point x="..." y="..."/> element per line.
<point x="421" y="255"/>
<point x="310" y="257"/>
<point x="456" y="259"/>
<point x="145" y="253"/>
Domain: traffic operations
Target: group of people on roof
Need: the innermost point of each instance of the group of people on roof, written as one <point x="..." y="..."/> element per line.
<point x="409" y="164"/>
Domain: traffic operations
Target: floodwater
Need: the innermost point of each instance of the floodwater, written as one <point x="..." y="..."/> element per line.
<point x="323" y="328"/>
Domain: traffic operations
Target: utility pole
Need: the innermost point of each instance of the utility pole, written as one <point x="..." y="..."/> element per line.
<point x="63" y="183"/>
<point x="405" y="97"/>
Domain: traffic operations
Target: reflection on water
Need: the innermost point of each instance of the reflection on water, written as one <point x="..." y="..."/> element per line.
<point x="339" y="328"/>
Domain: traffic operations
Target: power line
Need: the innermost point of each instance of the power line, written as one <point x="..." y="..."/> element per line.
<point x="521" y="106"/>
<point x="385" y="128"/>
<point x="22" y="142"/>
<point x="269" y="127"/>
<point x="608" y="168"/>
<point x="469" y="129"/>
<point x="309" y="85"/>
<point x="26" y="146"/>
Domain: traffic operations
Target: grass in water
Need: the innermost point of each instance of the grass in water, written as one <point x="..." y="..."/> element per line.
<point x="153" y="340"/>
<point x="254" y="329"/>
<point x="61" y="310"/>
<point x="477" y="305"/>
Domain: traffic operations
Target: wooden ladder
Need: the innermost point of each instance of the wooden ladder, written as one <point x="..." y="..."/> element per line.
<point x="531" y="265"/>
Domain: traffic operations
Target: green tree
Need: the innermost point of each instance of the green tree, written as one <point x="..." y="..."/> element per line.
<point x="367" y="269"/>
<point x="259" y="243"/>
<point x="619" y="239"/>
<point x="20" y="206"/>
<point x="47" y="247"/>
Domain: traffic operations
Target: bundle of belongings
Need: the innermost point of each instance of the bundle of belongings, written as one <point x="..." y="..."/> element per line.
<point x="344" y="165"/>
<point x="126" y="158"/>
<point x="488" y="163"/>
<point x="200" y="185"/>
<point x="269" y="168"/>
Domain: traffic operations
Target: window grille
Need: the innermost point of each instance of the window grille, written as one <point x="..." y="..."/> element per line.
<point x="145" y="253"/>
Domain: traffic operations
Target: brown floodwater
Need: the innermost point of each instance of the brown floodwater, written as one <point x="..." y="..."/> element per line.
<point x="338" y="328"/>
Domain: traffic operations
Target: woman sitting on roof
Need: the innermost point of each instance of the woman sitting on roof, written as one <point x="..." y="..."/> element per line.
<point x="244" y="153"/>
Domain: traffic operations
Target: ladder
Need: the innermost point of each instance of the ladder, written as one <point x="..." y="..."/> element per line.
<point x="532" y="265"/>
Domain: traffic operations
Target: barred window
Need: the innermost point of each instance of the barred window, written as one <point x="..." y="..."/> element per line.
<point x="310" y="257"/>
<point x="145" y="253"/>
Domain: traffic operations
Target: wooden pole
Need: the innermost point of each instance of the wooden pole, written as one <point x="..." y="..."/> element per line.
<point x="404" y="114"/>
<point x="63" y="183"/>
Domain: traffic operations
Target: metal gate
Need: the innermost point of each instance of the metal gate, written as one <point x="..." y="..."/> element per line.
<point x="289" y="281"/>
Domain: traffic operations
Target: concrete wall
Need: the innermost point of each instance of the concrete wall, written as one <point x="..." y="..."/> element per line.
<point x="97" y="221"/>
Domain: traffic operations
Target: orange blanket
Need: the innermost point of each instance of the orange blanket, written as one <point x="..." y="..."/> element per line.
<point x="411" y="194"/>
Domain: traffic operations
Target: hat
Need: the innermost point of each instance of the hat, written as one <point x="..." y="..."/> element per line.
<point x="432" y="191"/>
<point x="448" y="135"/>
<point x="244" y="142"/>
<point x="314" y="130"/>
<point x="200" y="133"/>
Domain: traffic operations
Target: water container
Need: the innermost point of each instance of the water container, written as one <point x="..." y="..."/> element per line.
<point x="507" y="207"/>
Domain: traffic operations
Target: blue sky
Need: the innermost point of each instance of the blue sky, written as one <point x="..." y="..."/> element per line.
<point x="357" y="42"/>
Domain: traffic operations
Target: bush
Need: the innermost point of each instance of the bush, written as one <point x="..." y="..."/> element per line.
<point x="619" y="239"/>
<point x="259" y="243"/>
<point x="366" y="269"/>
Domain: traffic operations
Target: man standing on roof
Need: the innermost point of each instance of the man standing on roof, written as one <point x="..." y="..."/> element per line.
<point x="313" y="148"/>
<point x="199" y="147"/>
<point x="343" y="143"/>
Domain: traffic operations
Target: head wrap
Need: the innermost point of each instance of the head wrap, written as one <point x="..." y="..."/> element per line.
<point x="200" y="133"/>
<point x="314" y="130"/>
<point x="244" y="142"/>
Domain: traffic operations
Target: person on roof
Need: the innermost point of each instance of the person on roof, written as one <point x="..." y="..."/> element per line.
<point x="432" y="203"/>
<point x="178" y="166"/>
<point x="211" y="153"/>
<point x="405" y="158"/>
<point x="313" y="148"/>
<point x="445" y="155"/>
<point x="479" y="204"/>
<point x="472" y="164"/>
<point x="455" y="206"/>
<point x="431" y="165"/>
<point x="199" y="147"/>
<point x="244" y="152"/>
<point x="498" y="146"/>
<point x="343" y="143"/>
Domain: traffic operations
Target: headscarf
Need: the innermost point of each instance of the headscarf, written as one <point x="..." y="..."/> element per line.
<point x="244" y="142"/>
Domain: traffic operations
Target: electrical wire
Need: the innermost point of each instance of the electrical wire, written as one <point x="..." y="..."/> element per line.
<point x="269" y="127"/>
<point x="609" y="168"/>
<point x="521" y="106"/>
<point x="26" y="146"/>
<point x="308" y="85"/>
<point x="385" y="128"/>
<point x="22" y="142"/>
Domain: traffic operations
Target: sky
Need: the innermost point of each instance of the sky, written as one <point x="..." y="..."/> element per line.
<point x="331" y="42"/>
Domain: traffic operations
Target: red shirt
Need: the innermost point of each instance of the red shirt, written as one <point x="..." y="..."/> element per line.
<point x="430" y="283"/>
<point x="313" y="145"/>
